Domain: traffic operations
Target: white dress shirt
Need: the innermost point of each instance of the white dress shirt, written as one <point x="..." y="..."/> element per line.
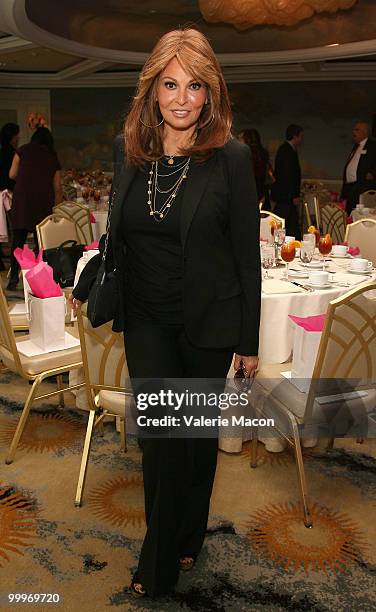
<point x="352" y="166"/>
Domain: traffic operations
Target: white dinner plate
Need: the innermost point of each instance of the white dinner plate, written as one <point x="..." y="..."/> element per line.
<point x="315" y="264"/>
<point x="298" y="273"/>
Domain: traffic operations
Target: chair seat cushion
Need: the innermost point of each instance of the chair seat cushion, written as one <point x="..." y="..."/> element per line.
<point x="47" y="361"/>
<point x="115" y="402"/>
<point x="272" y="394"/>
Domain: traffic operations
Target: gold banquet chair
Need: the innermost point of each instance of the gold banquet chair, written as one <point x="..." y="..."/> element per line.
<point x="265" y="217"/>
<point x="368" y="198"/>
<point x="35" y="369"/>
<point x="362" y="234"/>
<point x="106" y="373"/>
<point x="78" y="214"/>
<point x="333" y="222"/>
<point x="53" y="231"/>
<point x="347" y="351"/>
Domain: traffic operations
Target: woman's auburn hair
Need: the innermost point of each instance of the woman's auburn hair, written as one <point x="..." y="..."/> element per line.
<point x="195" y="54"/>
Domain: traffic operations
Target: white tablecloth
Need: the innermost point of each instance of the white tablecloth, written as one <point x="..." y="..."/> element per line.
<point x="276" y="330"/>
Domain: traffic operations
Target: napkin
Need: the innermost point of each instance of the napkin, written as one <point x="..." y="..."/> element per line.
<point x="92" y="218"/>
<point x="351" y="250"/>
<point x="279" y="286"/>
<point x="26" y="257"/>
<point x="314" y="323"/>
<point x="93" y="246"/>
<point x="351" y="279"/>
<point x="41" y="281"/>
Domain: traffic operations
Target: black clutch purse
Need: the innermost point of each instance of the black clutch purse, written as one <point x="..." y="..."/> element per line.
<point x="103" y="300"/>
<point x="63" y="260"/>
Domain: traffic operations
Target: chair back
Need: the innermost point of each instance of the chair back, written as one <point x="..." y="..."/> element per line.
<point x="265" y="227"/>
<point x="53" y="231"/>
<point x="362" y="234"/>
<point x="333" y="222"/>
<point x="347" y="349"/>
<point x="78" y="214"/>
<point x="8" y="348"/>
<point x="103" y="355"/>
<point x="368" y="198"/>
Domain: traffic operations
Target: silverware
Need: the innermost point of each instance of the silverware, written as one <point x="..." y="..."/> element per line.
<point x="305" y="287"/>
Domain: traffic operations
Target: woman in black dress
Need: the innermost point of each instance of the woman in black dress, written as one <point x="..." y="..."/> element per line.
<point x="8" y="145"/>
<point x="36" y="169"/>
<point x="185" y="242"/>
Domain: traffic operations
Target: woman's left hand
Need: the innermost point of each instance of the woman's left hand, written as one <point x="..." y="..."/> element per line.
<point x="248" y="363"/>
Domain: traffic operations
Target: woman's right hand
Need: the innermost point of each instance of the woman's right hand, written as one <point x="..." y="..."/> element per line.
<point x="74" y="304"/>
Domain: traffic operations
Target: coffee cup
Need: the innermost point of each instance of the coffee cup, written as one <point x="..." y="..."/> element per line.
<point x="289" y="239"/>
<point x="339" y="250"/>
<point x="360" y="265"/>
<point x="318" y="277"/>
<point x="365" y="210"/>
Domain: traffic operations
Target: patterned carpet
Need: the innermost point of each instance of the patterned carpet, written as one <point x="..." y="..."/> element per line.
<point x="257" y="555"/>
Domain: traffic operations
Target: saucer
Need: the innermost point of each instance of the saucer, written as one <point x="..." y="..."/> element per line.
<point x="347" y="256"/>
<point x="323" y="286"/>
<point x="361" y="272"/>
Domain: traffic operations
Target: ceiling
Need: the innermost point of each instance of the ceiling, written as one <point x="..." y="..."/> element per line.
<point x="102" y="43"/>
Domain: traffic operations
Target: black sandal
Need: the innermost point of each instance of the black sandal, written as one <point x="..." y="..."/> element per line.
<point x="186" y="563"/>
<point x="136" y="588"/>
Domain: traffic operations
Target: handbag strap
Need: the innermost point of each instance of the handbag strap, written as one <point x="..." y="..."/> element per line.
<point x="108" y="226"/>
<point x="70" y="242"/>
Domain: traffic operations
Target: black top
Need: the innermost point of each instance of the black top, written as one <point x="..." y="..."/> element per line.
<point x="153" y="250"/>
<point x="287" y="174"/>
<point x="6" y="158"/>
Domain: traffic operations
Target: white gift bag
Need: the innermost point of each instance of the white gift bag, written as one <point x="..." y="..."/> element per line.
<point x="47" y="322"/>
<point x="306" y="344"/>
<point x="27" y="290"/>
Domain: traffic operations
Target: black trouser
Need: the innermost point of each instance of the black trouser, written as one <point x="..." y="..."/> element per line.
<point x="350" y="193"/>
<point x="178" y="473"/>
<point x="289" y="212"/>
<point x="19" y="237"/>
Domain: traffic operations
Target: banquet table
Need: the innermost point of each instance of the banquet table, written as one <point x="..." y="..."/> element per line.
<point x="358" y="214"/>
<point x="280" y="298"/>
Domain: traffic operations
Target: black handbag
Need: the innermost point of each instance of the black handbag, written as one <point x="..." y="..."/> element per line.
<point x="63" y="260"/>
<point x="103" y="300"/>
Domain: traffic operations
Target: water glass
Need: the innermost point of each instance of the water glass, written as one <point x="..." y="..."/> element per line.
<point x="307" y="249"/>
<point x="267" y="259"/>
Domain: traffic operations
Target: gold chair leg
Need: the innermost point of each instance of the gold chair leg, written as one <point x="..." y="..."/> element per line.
<point x="22" y="422"/>
<point x="84" y="460"/>
<point x="254" y="444"/>
<point x="301" y="475"/>
<point x="123" y="441"/>
<point x="60" y="385"/>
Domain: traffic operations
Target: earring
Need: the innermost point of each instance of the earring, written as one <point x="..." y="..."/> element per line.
<point x="151" y="126"/>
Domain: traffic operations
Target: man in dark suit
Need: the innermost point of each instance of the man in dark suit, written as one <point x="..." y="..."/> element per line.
<point x="286" y="189"/>
<point x="359" y="173"/>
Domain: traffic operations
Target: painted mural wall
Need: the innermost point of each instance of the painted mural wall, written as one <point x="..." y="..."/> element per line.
<point x="85" y="120"/>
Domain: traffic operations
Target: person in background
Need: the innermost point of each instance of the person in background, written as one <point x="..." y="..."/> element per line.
<point x="38" y="189"/>
<point x="261" y="164"/>
<point x="359" y="173"/>
<point x="286" y="189"/>
<point x="9" y="135"/>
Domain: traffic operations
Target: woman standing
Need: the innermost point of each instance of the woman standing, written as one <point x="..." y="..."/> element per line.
<point x="261" y="164"/>
<point x="185" y="242"/>
<point x="9" y="143"/>
<point x="38" y="189"/>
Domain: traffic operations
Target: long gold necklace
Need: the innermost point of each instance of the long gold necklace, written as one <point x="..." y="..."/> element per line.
<point x="154" y="188"/>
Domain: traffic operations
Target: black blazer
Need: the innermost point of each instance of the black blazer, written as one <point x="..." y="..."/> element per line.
<point x="367" y="163"/>
<point x="221" y="254"/>
<point x="287" y="174"/>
